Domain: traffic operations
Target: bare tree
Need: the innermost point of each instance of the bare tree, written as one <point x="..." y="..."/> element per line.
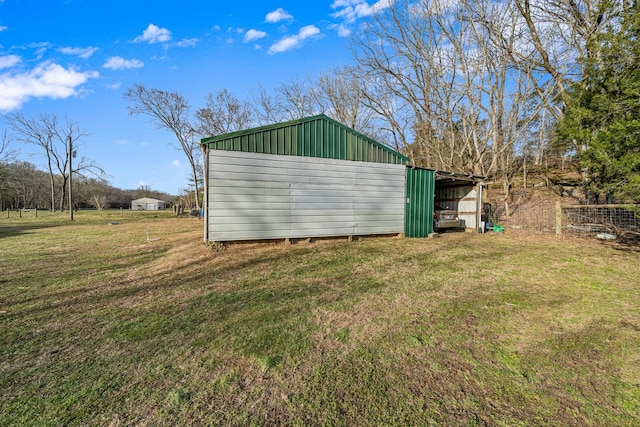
<point x="442" y="76"/>
<point x="23" y="184"/>
<point x="340" y="94"/>
<point x="288" y="101"/>
<point x="557" y="34"/>
<point x="394" y="56"/>
<point x="297" y="99"/>
<point x="52" y="136"/>
<point x="223" y="113"/>
<point x="558" y="42"/>
<point x="503" y="94"/>
<point x="95" y="192"/>
<point x="169" y="111"/>
<point x="38" y="131"/>
<point x="423" y="65"/>
<point x="7" y="154"/>
<point x="393" y="120"/>
<point x="265" y="109"/>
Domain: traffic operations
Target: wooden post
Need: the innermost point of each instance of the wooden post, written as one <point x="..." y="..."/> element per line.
<point x="558" y="219"/>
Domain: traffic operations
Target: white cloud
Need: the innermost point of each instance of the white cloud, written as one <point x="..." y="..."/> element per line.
<point x="175" y="163"/>
<point x="118" y="63"/>
<point x="295" y="40"/>
<point x="47" y="80"/>
<point x="214" y="29"/>
<point x="41" y="48"/>
<point x="278" y="15"/>
<point x="342" y="29"/>
<point x="308" y="31"/>
<point x="253" y="35"/>
<point x="339" y="4"/>
<point x="9" y="61"/>
<point x="187" y="42"/>
<point x="3" y="28"/>
<point x="82" y="52"/>
<point x="351" y="10"/>
<point x="153" y="34"/>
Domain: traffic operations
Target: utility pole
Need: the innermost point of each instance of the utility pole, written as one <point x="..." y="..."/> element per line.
<point x="70" y="185"/>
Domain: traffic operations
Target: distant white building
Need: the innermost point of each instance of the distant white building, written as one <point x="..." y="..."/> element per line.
<point x="148" y="204"/>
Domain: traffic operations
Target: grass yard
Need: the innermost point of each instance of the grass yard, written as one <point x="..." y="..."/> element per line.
<point x="98" y="326"/>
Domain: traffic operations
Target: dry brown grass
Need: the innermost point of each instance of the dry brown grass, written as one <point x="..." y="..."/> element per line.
<point x="102" y="327"/>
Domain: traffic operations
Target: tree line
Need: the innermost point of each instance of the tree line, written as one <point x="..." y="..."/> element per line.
<point x="25" y="186"/>
<point x="478" y="87"/>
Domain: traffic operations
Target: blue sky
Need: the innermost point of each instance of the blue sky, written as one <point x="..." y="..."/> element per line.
<point x="75" y="58"/>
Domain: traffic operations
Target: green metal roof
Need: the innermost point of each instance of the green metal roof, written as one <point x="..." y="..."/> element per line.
<point x="316" y="136"/>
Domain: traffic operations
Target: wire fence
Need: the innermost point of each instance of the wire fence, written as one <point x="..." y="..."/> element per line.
<point x="612" y="220"/>
<point x="530" y="218"/>
<point x="594" y="221"/>
<point x="106" y="213"/>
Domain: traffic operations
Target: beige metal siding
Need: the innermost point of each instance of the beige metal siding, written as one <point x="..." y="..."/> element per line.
<point x="254" y="196"/>
<point x="379" y="199"/>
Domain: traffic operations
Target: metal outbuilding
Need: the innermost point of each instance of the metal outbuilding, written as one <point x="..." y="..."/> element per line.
<point x="148" y="204"/>
<point x="312" y="177"/>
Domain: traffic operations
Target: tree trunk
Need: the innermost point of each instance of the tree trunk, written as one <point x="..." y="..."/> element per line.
<point x="196" y="188"/>
<point x="63" y="194"/>
<point x="53" y="192"/>
<point x="506" y="186"/>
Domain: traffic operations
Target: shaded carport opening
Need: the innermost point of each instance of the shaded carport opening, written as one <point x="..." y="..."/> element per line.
<point x="462" y="193"/>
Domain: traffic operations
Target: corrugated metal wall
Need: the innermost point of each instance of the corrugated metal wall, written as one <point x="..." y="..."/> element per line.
<point x="255" y="196"/>
<point x="463" y="199"/>
<point x="317" y="136"/>
<point x="420" y="189"/>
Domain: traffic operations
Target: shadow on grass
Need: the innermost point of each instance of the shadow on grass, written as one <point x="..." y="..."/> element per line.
<point x="257" y="320"/>
<point x="16" y="230"/>
<point x="629" y="243"/>
<point x="83" y="295"/>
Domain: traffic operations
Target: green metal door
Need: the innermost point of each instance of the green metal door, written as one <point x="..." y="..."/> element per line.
<point x="420" y="193"/>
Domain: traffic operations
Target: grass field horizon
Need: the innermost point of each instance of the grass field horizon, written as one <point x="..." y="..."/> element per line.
<point x="100" y="326"/>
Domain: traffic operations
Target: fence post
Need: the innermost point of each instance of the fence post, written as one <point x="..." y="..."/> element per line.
<point x="558" y="219"/>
